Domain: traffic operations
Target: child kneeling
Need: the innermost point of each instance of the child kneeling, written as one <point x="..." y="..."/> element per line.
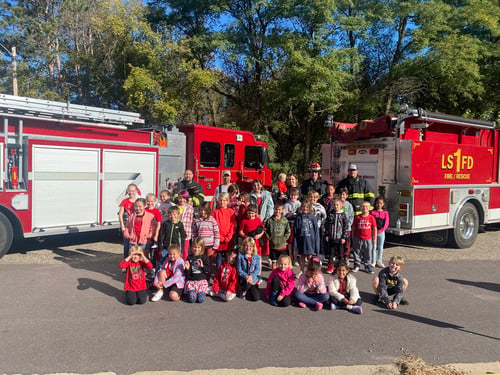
<point x="170" y="275"/>
<point x="281" y="283"/>
<point x="344" y="293"/>
<point x="226" y="279"/>
<point x="135" y="281"/>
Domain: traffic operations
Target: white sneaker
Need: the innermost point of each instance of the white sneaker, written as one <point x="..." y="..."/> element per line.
<point x="124" y="270"/>
<point x="269" y="262"/>
<point x="296" y="264"/>
<point x="379" y="264"/>
<point x="373" y="264"/>
<point x="355" y="269"/>
<point x="157" y="296"/>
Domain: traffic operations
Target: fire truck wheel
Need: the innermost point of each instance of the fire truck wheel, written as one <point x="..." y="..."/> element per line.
<point x="465" y="232"/>
<point x="6" y="234"/>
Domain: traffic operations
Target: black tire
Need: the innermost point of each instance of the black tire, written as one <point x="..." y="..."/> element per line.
<point x="466" y="227"/>
<point x="6" y="234"/>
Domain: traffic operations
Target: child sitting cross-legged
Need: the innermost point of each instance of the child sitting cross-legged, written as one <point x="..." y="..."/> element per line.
<point x="197" y="268"/>
<point x="311" y="288"/>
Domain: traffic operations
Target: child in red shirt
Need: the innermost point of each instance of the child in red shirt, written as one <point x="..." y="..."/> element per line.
<point x="226" y="279"/>
<point x="135" y="281"/>
<point x="141" y="225"/>
<point x="364" y="235"/>
<point x="227" y="226"/>
<point x="252" y="226"/>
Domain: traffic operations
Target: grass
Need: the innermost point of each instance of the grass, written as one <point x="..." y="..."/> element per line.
<point x="413" y="365"/>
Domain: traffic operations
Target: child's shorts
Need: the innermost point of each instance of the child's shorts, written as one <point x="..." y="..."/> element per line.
<point x="275" y="254"/>
<point x="198" y="286"/>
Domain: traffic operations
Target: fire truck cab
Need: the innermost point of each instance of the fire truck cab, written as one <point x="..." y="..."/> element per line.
<point x="64" y="168"/>
<point x="438" y="173"/>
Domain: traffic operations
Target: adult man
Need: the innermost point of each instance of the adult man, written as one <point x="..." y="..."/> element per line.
<point x="315" y="182"/>
<point x="195" y="190"/>
<point x="358" y="187"/>
<point x="226" y="182"/>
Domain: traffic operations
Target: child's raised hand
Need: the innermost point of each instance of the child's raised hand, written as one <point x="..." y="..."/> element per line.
<point x="200" y="263"/>
<point x="187" y="265"/>
<point x="342" y="241"/>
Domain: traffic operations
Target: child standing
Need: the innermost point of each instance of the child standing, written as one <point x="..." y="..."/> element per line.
<point x="248" y="270"/>
<point x="319" y="213"/>
<point x="390" y="282"/>
<point x="327" y="200"/>
<point x="197" y="268"/>
<point x="233" y="192"/>
<point x="170" y="276"/>
<point x="343" y="290"/>
<point x="135" y="281"/>
<point x="186" y="214"/>
<point x="243" y="202"/>
<point x="291" y="209"/>
<point x="382" y="218"/>
<point x="278" y="232"/>
<point x="336" y="233"/>
<point x="226" y="220"/>
<point x="252" y="226"/>
<point x="207" y="228"/>
<point x="126" y="209"/>
<point x="226" y="279"/>
<point x="364" y="235"/>
<point x="141" y="225"/>
<point x="349" y="211"/>
<point x="281" y="282"/>
<point x="165" y="203"/>
<point x="151" y="208"/>
<point x="306" y="234"/>
<point x="311" y="288"/>
<point x="171" y="233"/>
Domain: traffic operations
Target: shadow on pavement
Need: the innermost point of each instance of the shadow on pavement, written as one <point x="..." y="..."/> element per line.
<point x="478" y="284"/>
<point x="86" y="283"/>
<point x="432" y="322"/>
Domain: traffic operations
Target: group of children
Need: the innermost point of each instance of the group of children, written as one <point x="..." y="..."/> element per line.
<point x="161" y="235"/>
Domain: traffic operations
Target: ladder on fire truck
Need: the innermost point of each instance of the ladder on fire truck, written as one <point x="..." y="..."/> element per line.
<point x="47" y="109"/>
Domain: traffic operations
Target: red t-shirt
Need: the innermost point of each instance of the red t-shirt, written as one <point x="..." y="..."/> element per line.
<point x="136" y="278"/>
<point x="138" y="225"/>
<point x="156" y="212"/>
<point x="127" y="205"/>
<point x="342" y="287"/>
<point x="249" y="225"/>
<point x="364" y="226"/>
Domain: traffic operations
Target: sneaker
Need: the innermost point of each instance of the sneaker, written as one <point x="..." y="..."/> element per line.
<point x="372" y="264"/>
<point x="379" y="264"/>
<point x="124" y="270"/>
<point x="375" y="299"/>
<point x="404" y="302"/>
<point x="333" y="306"/>
<point x="356" y="309"/>
<point x="330" y="268"/>
<point x="369" y="269"/>
<point x="296" y="264"/>
<point x="260" y="281"/>
<point x="302" y="304"/>
<point x="157" y="296"/>
<point x="269" y="262"/>
<point x="319" y="306"/>
<point x="355" y="269"/>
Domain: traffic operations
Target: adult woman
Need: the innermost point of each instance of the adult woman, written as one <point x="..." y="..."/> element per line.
<point x="292" y="181"/>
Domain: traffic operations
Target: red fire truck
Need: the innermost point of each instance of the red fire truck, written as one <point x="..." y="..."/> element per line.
<point x="64" y="168"/>
<point x="438" y="173"/>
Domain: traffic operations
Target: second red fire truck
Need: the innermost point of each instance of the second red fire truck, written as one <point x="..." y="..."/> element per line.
<point x="64" y="168"/>
<point x="438" y="173"/>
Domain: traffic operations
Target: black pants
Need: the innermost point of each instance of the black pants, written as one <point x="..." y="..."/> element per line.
<point x="140" y="297"/>
<point x="250" y="291"/>
<point x="335" y="249"/>
<point x="276" y="290"/>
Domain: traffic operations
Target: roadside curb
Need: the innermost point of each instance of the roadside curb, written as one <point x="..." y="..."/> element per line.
<point x="486" y="368"/>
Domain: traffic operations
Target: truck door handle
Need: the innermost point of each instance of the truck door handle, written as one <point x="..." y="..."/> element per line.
<point x="202" y="176"/>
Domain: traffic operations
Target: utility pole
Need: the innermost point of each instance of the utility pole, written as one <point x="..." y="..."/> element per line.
<point x="14" y="71"/>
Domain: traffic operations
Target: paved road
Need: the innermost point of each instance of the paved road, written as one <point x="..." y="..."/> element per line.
<point x="68" y="315"/>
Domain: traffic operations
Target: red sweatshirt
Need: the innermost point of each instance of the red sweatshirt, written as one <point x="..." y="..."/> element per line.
<point x="227" y="224"/>
<point x="226" y="279"/>
<point x="136" y="278"/>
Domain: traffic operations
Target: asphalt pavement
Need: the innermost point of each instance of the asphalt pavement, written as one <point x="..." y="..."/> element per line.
<point x="70" y="317"/>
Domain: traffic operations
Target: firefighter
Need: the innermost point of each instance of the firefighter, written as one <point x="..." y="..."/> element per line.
<point x="315" y="182"/>
<point x="359" y="189"/>
<point x="195" y="190"/>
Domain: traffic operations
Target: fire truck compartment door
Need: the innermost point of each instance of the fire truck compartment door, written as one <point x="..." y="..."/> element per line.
<point x="123" y="167"/>
<point x="65" y="186"/>
<point x="369" y="171"/>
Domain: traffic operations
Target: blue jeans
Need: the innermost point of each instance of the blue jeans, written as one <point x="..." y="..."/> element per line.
<point x="311" y="298"/>
<point x="126" y="247"/>
<point x="378" y="251"/>
<point x="219" y="259"/>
